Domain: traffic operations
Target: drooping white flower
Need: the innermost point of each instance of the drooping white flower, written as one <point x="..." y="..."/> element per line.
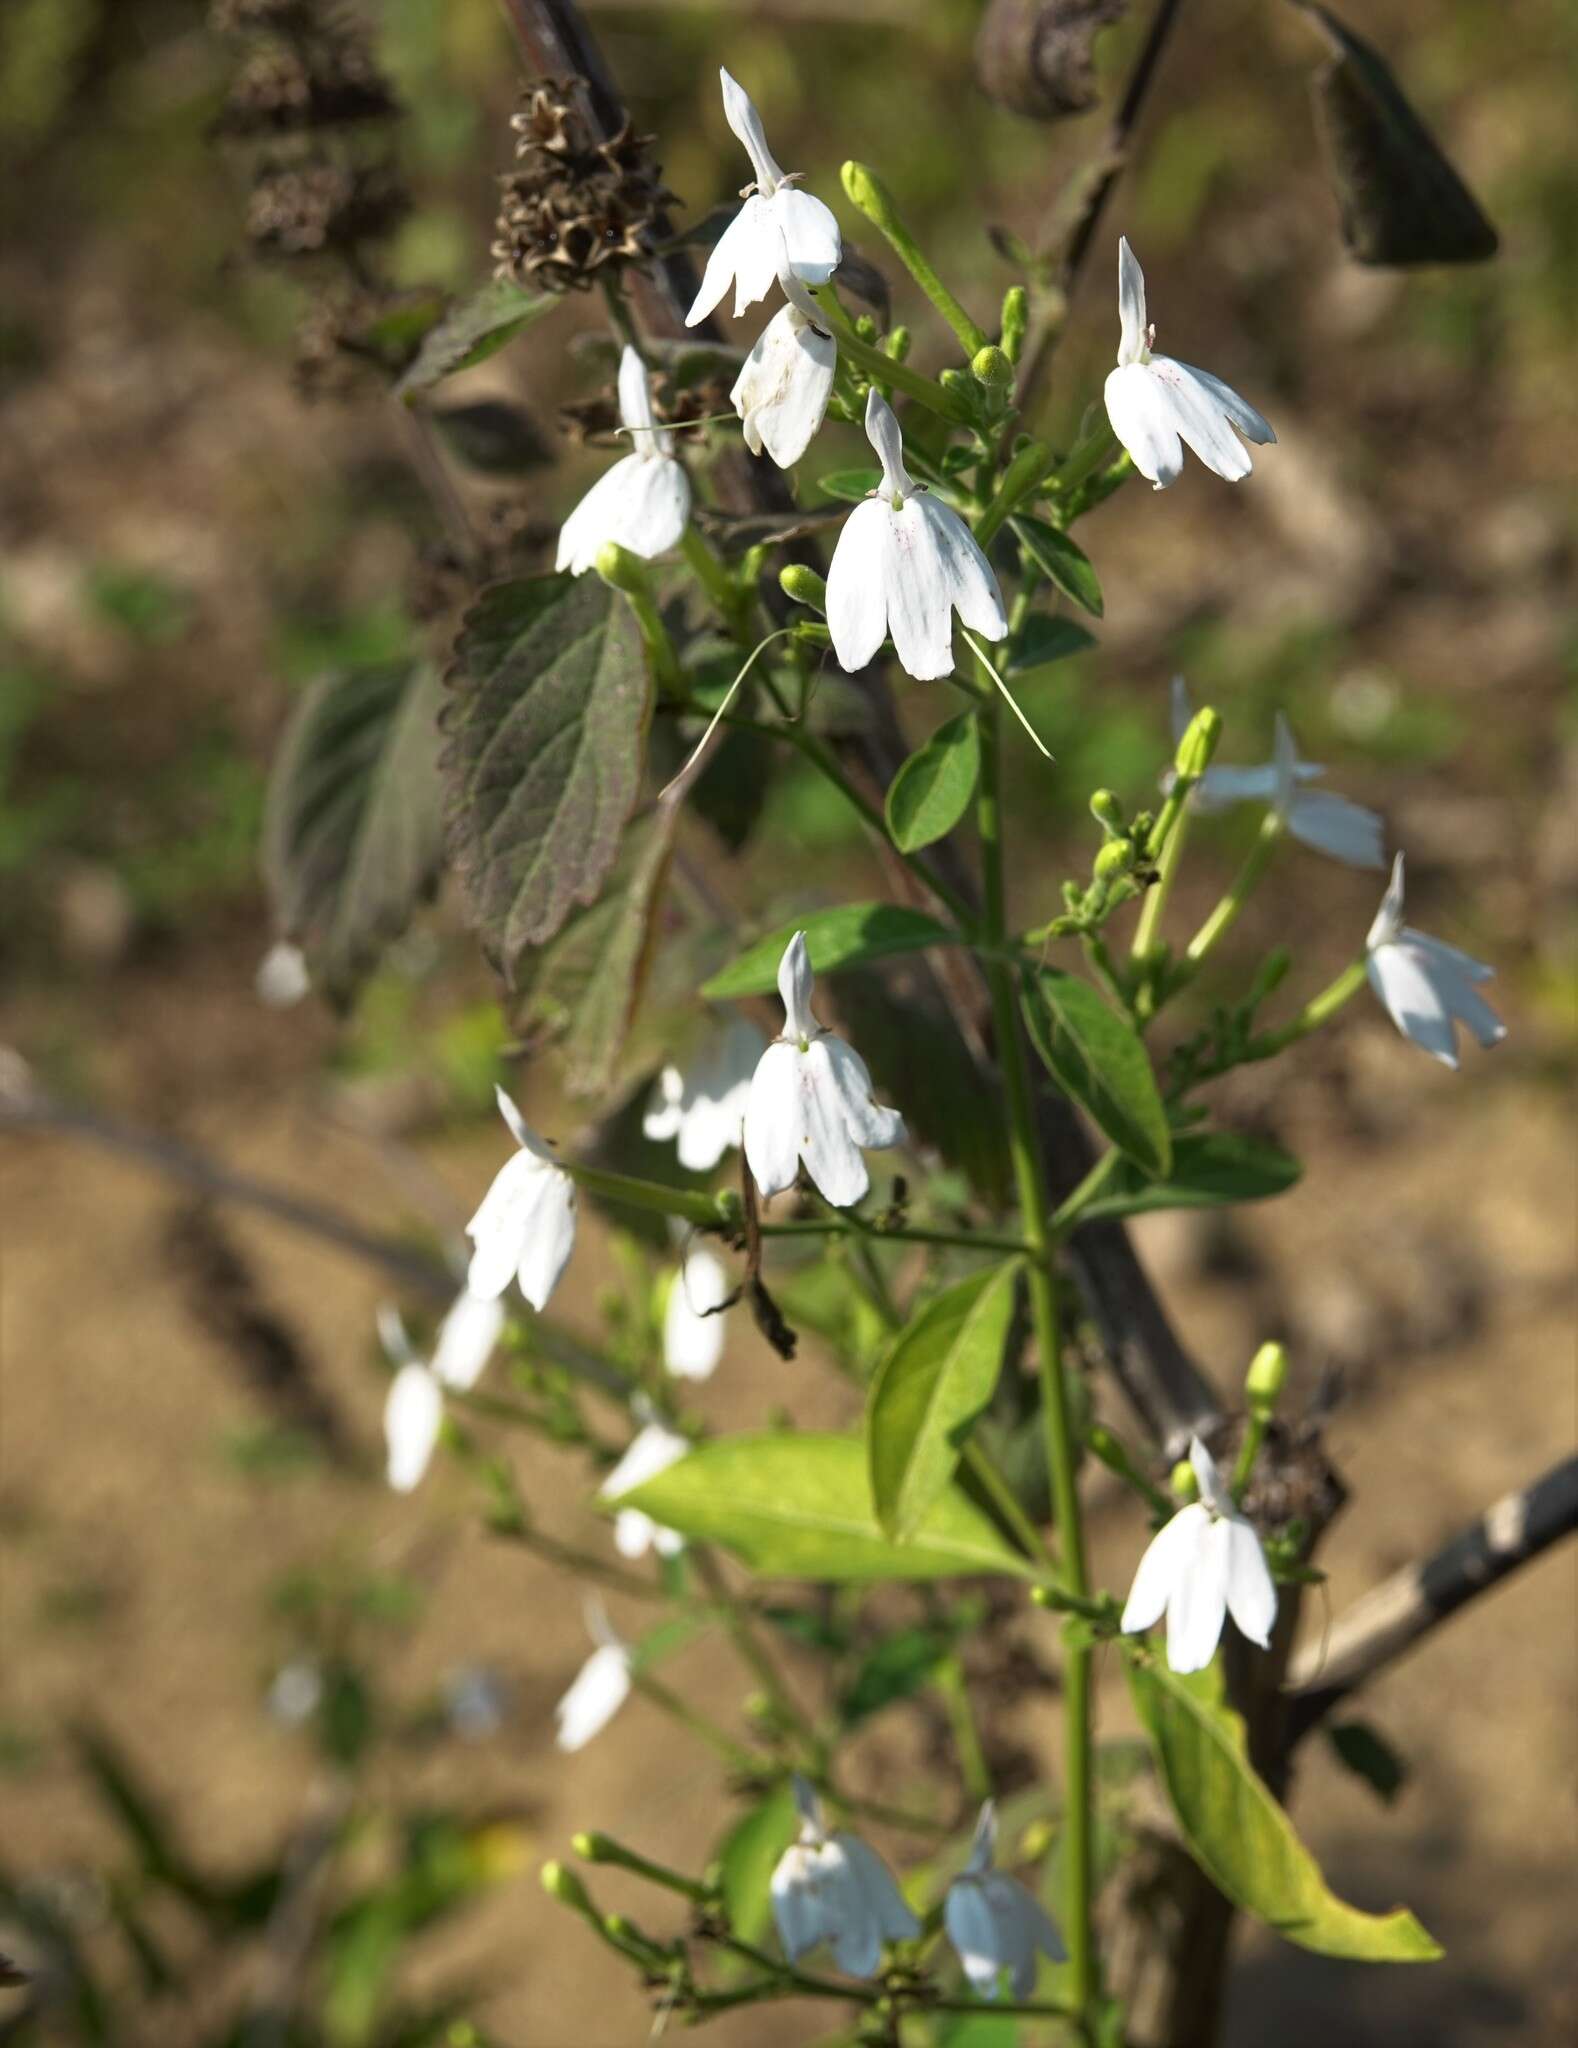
<point x="652" y="1450"/>
<point x="413" y="1417"/>
<point x="525" y="1227"/>
<point x="904" y="564"/>
<point x="811" y="1100"/>
<point x="1203" y="1565"/>
<point x="599" y="1689"/>
<point x="993" y="1922"/>
<point x="466" y="1338"/>
<point x="777" y="229"/>
<point x="414" y="1406"/>
<point x="1426" y="986"/>
<point x="782" y="391"/>
<point x="693" y="1331"/>
<point x="1321" y="819"/>
<point x="643" y="502"/>
<point x="833" y="1888"/>
<point x="1154" y="402"/>
<point x="704" y="1107"/>
<point x="282" y="978"/>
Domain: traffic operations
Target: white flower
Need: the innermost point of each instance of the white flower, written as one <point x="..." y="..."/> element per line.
<point x="652" y="1450"/>
<point x="904" y="563"/>
<point x="692" y="1319"/>
<point x="993" y="1922"/>
<point x="282" y="977"/>
<point x="413" y="1417"/>
<point x="811" y="1100"/>
<point x="466" y="1338"/>
<point x="781" y="393"/>
<point x="414" y="1407"/>
<point x="776" y="229"/>
<point x="643" y="502"/>
<point x="599" y="1689"/>
<point x="1426" y="986"/>
<point x="526" y="1225"/>
<point x="1152" y="401"/>
<point x="705" y="1106"/>
<point x="833" y="1888"/>
<point x="1319" y="818"/>
<point x="1202" y="1565"/>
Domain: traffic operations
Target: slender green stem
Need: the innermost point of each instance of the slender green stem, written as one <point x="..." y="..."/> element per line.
<point x="966" y="1240"/>
<point x="983" y="1469"/>
<point x="1073" y="1206"/>
<point x="710" y="572"/>
<point x="1030" y="1181"/>
<point x="1020" y="478"/>
<point x="581" y="1561"/>
<point x="602" y="1849"/>
<point x="950" y="1681"/>
<point x="1248" y="1451"/>
<point x="1314" y="1013"/>
<point x="718" y="1211"/>
<point x="868" y="192"/>
<point x="745" y="1640"/>
<point x="1085" y="458"/>
<point x="882" y="369"/>
<point x="734" y="1754"/>
<point x="1172" y="829"/>
<point x="1238" y="894"/>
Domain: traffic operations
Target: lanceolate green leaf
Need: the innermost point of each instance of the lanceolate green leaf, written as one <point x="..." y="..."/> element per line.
<point x="353" y="831"/>
<point x="1062" y="561"/>
<point x="1242" y="1838"/>
<point x="747" y="1857"/>
<point x="1097" y="1057"/>
<point x="547" y="718"/>
<point x="794" y="1506"/>
<point x="932" y="791"/>
<point x="1048" y="639"/>
<point x="472" y="331"/>
<point x="835" y="938"/>
<point x="934" y="1382"/>
<point x="1209" y="1169"/>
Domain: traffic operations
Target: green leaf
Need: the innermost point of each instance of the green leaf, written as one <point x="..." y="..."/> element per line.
<point x="1062" y="561"/>
<point x="1098" y="1059"/>
<point x="747" y="1857"/>
<point x="353" y="825"/>
<point x="934" y="1382"/>
<point x="1047" y="640"/>
<point x="1241" y="1837"/>
<point x="1399" y="199"/>
<point x="835" y="938"/>
<point x="1208" y="1169"/>
<point x="852" y="485"/>
<point x="896" y="1669"/>
<point x="793" y="1506"/>
<point x="545" y="725"/>
<point x="472" y="331"/>
<point x="1364" y="1750"/>
<point x="932" y="791"/>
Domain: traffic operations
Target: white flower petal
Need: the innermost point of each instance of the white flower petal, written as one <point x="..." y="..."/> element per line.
<point x="795" y="986"/>
<point x="797" y="1906"/>
<point x="1167" y="1554"/>
<point x="1198" y="419"/>
<point x="915" y="584"/>
<point x="1214" y="1490"/>
<point x="1412" y="1000"/>
<point x="651" y="1451"/>
<point x="772" y="1120"/>
<point x="739" y="110"/>
<point x="504" y="1221"/>
<point x="738" y="248"/>
<point x="1251" y="1592"/>
<point x="1252" y="425"/>
<point x="693" y="1332"/>
<point x="1389" y="918"/>
<point x="413" y="1416"/>
<point x="809" y="232"/>
<point x="781" y="393"/>
<point x="1331" y="824"/>
<point x="870" y="1125"/>
<point x="1440" y="954"/>
<point x="600" y="1689"/>
<point x="635" y="402"/>
<point x="833" y="1158"/>
<point x="972" y="585"/>
<point x="983" y="1843"/>
<point x="282" y="976"/>
<point x="878" y="1890"/>
<point x="466" y="1338"/>
<point x="1142" y="419"/>
<point x="551" y="1241"/>
<point x="972" y="1929"/>
<point x="394" y="1336"/>
<point x="882" y="431"/>
<point x="1133" y="338"/>
<point x="857" y="613"/>
<point x="519" y="1129"/>
<point x="1197" y="1608"/>
<point x="665" y="1110"/>
<point x="642" y="503"/>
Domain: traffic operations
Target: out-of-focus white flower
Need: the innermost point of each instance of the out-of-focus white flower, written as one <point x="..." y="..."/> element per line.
<point x="414" y="1406"/>
<point x="1427" y="987"/>
<point x="811" y="1099"/>
<point x="993" y="1922"/>
<point x="776" y="229"/>
<point x="1319" y="818"/>
<point x="295" y="1692"/>
<point x="413" y="1417"/>
<point x="704" y="1107"/>
<point x="904" y="564"/>
<point x="599" y="1689"/>
<point x="643" y="502"/>
<point x="781" y="393"/>
<point x="1154" y="402"/>
<point x="692" y="1319"/>
<point x="525" y="1227"/>
<point x="1203" y="1565"/>
<point x="282" y="977"/>
<point x="652" y="1450"/>
<point x="466" y="1338"/>
<point x="834" y="1888"/>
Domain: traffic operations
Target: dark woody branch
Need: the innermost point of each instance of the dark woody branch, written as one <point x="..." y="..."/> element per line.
<point x="1395" y="1615"/>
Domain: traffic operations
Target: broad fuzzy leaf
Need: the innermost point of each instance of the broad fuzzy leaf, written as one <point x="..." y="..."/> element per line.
<point x="934" y="1382"/>
<point x="799" y="1506"/>
<point x="1241" y="1838"/>
<point x="932" y="791"/>
<point x="835" y="938"/>
<point x="472" y="331"/>
<point x="1098" y="1059"/>
<point x="1209" y="1169"/>
<point x="353" y="829"/>
<point x="545" y="726"/>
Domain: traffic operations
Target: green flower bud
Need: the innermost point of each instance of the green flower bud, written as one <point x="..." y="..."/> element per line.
<point x="751" y="565"/>
<point x="567" y="1888"/>
<point x="1107" y="811"/>
<point x="867" y="191"/>
<point x="803" y="585"/>
<point x="898" y="344"/>
<point x="1198" y="744"/>
<point x="1015" y="320"/>
<point x="595" y="1848"/>
<point x="866" y="327"/>
<point x="621" y="569"/>
<point x="993" y="369"/>
<point x="1183" y="1482"/>
<point x="956" y="382"/>
<point x="810" y="634"/>
<point x="1267" y="1376"/>
<point x="1114" y="859"/>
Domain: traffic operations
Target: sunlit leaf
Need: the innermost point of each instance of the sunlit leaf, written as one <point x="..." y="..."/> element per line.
<point x="1062" y="561"/>
<point x="932" y="791"/>
<point x="835" y="938"/>
<point x="472" y="331"/>
<point x="747" y="1857"/>
<point x="1208" y="1170"/>
<point x="1099" y="1059"/>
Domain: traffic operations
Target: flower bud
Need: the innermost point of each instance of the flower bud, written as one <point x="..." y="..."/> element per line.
<point x="595" y="1848"/>
<point x="991" y="368"/>
<point x="866" y="328"/>
<point x="867" y="191"/>
<point x="1267" y="1376"/>
<point x="622" y="570"/>
<point x="898" y="344"/>
<point x="1198" y="744"/>
<point x="1107" y="811"/>
<point x="1183" y="1482"/>
<point x="752" y="563"/>
<point x="1114" y="859"/>
<point x="810" y="634"/>
<point x="803" y="585"/>
<point x="567" y="1888"/>
<point x="1015" y="320"/>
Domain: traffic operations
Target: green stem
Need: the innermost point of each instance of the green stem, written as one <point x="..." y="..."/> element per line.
<point x="992" y="1483"/>
<point x="745" y="1641"/>
<point x="709" y="571"/>
<point x="1085" y="458"/>
<point x="868" y="192"/>
<point x="1073" y="1206"/>
<point x="1238" y="894"/>
<point x="1314" y="1013"/>
<point x="602" y="1849"/>
<point x="565" y="1554"/>
<point x="1020" y="478"/>
<point x="1248" y="1451"/>
<point x="734" y="1754"/>
<point x="965" y="1240"/>
<point x="715" y="1211"/>
<point x="1172" y="828"/>
<point x="951" y="1683"/>
<point x="1030" y="1182"/>
<point x="882" y="369"/>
